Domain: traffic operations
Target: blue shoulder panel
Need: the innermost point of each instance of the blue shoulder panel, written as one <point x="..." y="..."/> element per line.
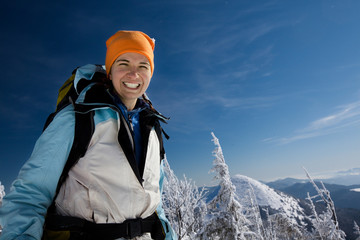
<point x="87" y="72"/>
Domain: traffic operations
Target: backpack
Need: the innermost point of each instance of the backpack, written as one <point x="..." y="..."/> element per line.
<point x="70" y="90"/>
<point x="84" y="127"/>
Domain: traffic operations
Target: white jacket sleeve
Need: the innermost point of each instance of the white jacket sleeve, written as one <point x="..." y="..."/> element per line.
<point x="24" y="207"/>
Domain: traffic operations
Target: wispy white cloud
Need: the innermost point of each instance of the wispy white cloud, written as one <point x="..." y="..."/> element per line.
<point x="346" y="116"/>
<point x="220" y="61"/>
<point x="242" y="102"/>
<point x="259" y="31"/>
<point x="214" y="37"/>
<point x="349" y="66"/>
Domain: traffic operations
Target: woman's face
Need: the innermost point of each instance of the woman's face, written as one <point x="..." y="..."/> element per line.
<point x="130" y="75"/>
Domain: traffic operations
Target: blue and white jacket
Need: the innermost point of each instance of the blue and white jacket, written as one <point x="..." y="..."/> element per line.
<point x="105" y="186"/>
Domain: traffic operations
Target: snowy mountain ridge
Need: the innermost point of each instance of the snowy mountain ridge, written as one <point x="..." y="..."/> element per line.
<point x="267" y="197"/>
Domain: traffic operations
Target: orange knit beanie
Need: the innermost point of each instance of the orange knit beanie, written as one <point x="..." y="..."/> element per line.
<point x="129" y="41"/>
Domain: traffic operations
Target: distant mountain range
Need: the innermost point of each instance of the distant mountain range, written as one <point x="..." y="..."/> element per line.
<point x="288" y="196"/>
<point x="343" y="195"/>
<point x="347" y="178"/>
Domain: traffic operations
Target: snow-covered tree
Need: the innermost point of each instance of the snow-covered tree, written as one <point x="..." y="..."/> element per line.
<point x="284" y="228"/>
<point x="2" y="193"/>
<point x="357" y="231"/>
<point x="326" y="225"/>
<point x="226" y="220"/>
<point x="279" y="227"/>
<point x="253" y="215"/>
<point x="183" y="204"/>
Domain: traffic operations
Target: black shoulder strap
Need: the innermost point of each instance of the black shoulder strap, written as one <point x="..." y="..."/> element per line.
<point x="84" y="129"/>
<point x="159" y="131"/>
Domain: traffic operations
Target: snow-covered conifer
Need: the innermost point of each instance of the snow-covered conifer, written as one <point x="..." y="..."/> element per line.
<point x="252" y="213"/>
<point x="183" y="204"/>
<point x="226" y="220"/>
<point x="284" y="228"/>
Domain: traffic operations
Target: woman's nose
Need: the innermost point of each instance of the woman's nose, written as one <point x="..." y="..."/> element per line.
<point x="133" y="73"/>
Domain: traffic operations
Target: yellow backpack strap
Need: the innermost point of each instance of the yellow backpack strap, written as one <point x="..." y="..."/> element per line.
<point x="65" y="88"/>
<point x="55" y="235"/>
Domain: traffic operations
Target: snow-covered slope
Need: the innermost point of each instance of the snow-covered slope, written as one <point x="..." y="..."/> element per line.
<point x="266" y="196"/>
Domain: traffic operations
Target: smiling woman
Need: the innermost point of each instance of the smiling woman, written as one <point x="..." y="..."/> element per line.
<point x="114" y="189"/>
<point x="130" y="76"/>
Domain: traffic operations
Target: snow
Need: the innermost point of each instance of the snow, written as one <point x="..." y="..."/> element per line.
<point x="2" y="195"/>
<point x="267" y="196"/>
<point x="2" y="192"/>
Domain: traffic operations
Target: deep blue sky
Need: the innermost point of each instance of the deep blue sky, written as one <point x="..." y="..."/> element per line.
<point x="278" y="82"/>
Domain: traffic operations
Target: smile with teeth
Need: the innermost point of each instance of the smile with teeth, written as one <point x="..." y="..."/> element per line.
<point x="131" y="85"/>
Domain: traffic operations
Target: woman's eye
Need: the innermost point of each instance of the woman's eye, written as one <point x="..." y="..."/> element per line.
<point x="144" y="67"/>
